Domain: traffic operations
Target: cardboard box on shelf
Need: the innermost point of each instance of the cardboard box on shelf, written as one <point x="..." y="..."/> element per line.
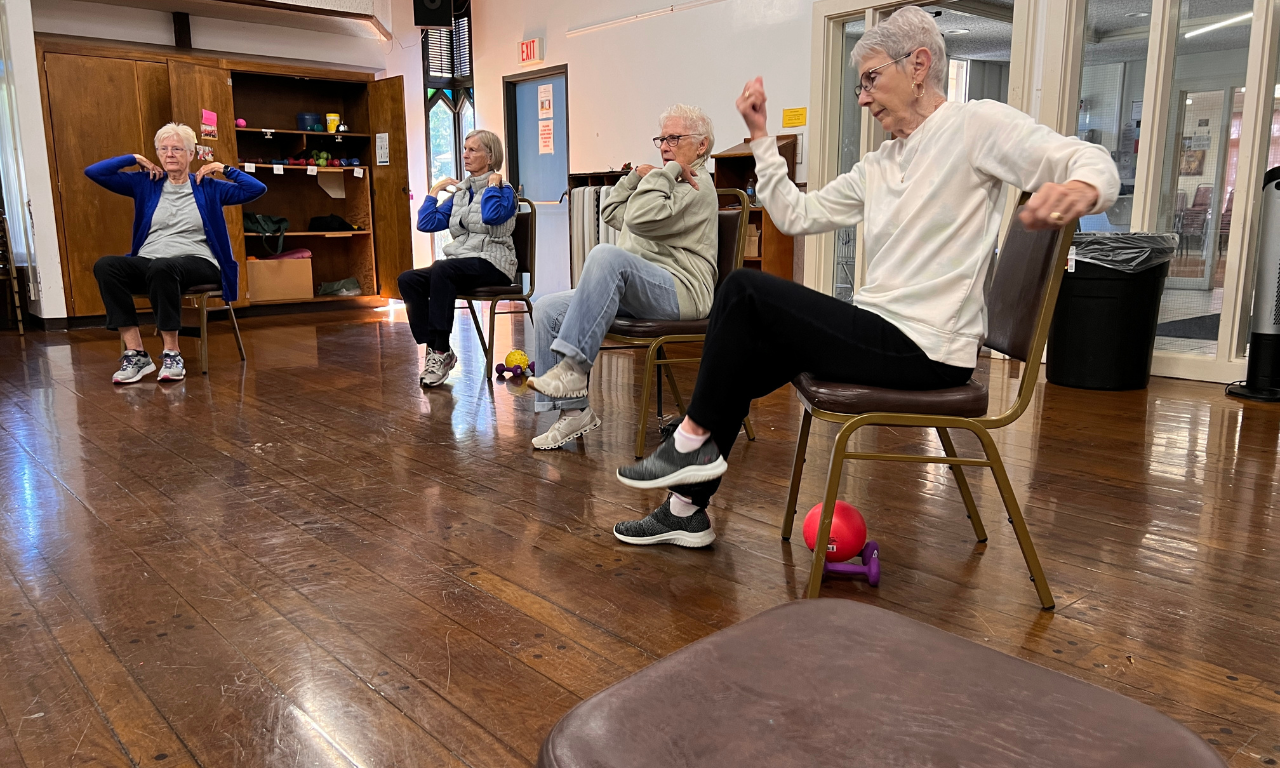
<point x="753" y="243"/>
<point x="280" y="280"/>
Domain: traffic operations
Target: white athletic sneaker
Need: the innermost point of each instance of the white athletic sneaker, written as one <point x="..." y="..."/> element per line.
<point x="562" y="381"/>
<point x="133" y="366"/>
<point x="171" y="367"/>
<point x="567" y="428"/>
<point x="436" y="368"/>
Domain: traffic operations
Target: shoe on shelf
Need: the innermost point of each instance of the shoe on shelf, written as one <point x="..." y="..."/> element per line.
<point x="666" y="466"/>
<point x="133" y="366"/>
<point x="662" y="527"/>
<point x="171" y="367"/>
<point x="567" y="428"/>
<point x="436" y="367"/>
<point x="561" y="382"/>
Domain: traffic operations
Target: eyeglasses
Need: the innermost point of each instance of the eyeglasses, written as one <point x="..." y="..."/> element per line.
<point x="167" y="150"/>
<point x="868" y="82"/>
<point x="673" y="139"/>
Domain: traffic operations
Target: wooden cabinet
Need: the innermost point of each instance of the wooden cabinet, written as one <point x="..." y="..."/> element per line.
<point x="102" y="100"/>
<point x="769" y="249"/>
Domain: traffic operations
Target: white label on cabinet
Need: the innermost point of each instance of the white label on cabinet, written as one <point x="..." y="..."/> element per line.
<point x="311" y="170"/>
<point x="278" y="168"/>
<point x="383" y="146"/>
<point x="359" y="173"/>
<point x="250" y="167"/>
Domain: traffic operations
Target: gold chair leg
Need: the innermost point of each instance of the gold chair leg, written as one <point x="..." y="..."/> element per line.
<point x="204" y="333"/>
<point x="949" y="447"/>
<point x="529" y="305"/>
<point x="834" y="474"/>
<point x="797" y="470"/>
<point x="751" y="433"/>
<point x="235" y="330"/>
<point x="675" y="388"/>
<point x="646" y="393"/>
<point x="1016" y="520"/>
<point x="493" y="334"/>
<point x="475" y="321"/>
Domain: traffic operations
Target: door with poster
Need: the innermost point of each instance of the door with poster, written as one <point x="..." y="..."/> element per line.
<point x="538" y="136"/>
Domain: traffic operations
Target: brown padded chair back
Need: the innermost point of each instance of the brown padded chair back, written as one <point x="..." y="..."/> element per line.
<point x="523" y="237"/>
<point x="727" y="251"/>
<point x="1022" y="277"/>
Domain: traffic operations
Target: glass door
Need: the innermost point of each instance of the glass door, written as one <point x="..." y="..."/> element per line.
<point x="845" y="281"/>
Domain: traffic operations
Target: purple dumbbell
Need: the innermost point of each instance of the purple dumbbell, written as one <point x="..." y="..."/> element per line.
<point x="870" y="565"/>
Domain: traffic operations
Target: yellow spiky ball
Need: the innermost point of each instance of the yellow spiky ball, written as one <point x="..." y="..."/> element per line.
<point x="516" y="357"/>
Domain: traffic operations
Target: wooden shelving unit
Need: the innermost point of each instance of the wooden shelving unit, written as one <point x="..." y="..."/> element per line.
<point x="735" y="169"/>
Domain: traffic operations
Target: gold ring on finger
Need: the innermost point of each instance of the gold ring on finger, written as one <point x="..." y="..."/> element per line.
<point x="1055" y="216"/>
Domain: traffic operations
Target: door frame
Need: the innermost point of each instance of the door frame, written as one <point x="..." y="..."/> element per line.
<point x="509" y="83"/>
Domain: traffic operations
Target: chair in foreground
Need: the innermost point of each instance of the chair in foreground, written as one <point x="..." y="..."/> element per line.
<point x="835" y="682"/>
<point x="655" y="335"/>
<point x="1020" y="305"/>
<point x="199" y="296"/>
<point x="525" y="238"/>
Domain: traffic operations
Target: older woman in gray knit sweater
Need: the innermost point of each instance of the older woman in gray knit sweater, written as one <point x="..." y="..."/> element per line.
<point x="663" y="268"/>
<point x="480" y="216"/>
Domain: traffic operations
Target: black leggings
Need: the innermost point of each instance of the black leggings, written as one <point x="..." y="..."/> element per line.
<point x="765" y="331"/>
<point x="429" y="294"/>
<point x="163" y="280"/>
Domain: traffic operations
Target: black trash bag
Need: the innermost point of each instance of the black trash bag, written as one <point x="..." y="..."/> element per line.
<point x="1125" y="251"/>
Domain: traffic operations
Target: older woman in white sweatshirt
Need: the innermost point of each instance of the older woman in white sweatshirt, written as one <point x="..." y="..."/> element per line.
<point x="929" y="202"/>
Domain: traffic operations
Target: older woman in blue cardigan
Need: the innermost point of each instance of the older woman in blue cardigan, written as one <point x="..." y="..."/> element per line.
<point x="179" y="241"/>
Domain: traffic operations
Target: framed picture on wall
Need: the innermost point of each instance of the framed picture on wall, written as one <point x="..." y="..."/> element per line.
<point x="1192" y="163"/>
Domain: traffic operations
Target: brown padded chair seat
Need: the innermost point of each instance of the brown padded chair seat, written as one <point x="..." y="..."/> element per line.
<point x="497" y="290"/>
<point x="653" y="329"/>
<point x="839" y="683"/>
<point x="969" y="401"/>
<point x="204" y="289"/>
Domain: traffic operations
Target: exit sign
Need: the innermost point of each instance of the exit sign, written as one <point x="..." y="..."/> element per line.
<point x="531" y="51"/>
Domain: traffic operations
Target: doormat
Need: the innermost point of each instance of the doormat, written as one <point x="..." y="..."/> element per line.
<point x="1204" y="328"/>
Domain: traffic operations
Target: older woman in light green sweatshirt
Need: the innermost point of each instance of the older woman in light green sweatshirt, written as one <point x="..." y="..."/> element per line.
<point x="663" y="268"/>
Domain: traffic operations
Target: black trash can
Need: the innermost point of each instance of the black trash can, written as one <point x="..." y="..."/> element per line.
<point x="1103" y="334"/>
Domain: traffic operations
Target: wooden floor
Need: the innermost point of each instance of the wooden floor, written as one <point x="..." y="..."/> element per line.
<point x="310" y="561"/>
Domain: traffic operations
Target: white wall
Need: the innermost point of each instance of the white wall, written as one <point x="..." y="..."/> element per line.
<point x="622" y="77"/>
<point x="400" y="56"/>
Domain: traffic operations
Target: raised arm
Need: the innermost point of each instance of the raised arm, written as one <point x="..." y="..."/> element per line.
<point x="614" y="206"/>
<point x="497" y="204"/>
<point x="107" y="173"/>
<point x="661" y="204"/>
<point x="433" y="217"/>
<point x="837" y="205"/>
<point x="1069" y="178"/>
<point x="240" y="187"/>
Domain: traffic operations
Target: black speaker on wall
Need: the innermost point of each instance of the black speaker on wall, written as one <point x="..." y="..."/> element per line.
<point x="433" y="14"/>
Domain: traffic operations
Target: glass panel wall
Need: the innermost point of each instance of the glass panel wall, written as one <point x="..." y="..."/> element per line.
<point x="1112" y="77"/>
<point x="1198" y="168"/>
<point x="850" y="151"/>
<point x="977" y="53"/>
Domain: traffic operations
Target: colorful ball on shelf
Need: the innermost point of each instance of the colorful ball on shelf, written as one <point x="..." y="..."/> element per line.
<point x="240" y="123"/>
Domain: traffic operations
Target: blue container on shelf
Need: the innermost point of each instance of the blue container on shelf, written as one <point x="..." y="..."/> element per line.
<point x="310" y="121"/>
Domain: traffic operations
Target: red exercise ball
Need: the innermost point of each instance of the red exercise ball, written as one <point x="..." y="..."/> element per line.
<point x="848" y="531"/>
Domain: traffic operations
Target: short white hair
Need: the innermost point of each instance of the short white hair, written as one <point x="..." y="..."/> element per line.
<point x="183" y="132"/>
<point x="492" y="144"/>
<point x="906" y="31"/>
<point x="695" y="120"/>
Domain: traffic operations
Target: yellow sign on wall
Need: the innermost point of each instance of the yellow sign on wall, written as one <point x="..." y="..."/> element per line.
<point x="794" y="118"/>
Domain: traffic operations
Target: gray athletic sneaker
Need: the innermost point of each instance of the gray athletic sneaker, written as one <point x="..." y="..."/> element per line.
<point x="662" y="527"/>
<point x="666" y="466"/>
<point x="171" y="367"/>
<point x="435" y="369"/>
<point x="567" y="428"/>
<point x="133" y="366"/>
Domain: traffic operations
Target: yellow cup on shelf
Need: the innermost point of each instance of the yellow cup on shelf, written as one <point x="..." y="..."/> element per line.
<point x="331" y="121"/>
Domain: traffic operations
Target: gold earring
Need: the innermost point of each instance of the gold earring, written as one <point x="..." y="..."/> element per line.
<point x="914" y="86"/>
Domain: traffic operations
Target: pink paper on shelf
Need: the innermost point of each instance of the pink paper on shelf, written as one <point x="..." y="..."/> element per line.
<point x="296" y="253"/>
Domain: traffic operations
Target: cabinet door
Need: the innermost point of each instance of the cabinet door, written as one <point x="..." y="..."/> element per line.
<point x="392" y="218"/>
<point x="94" y="114"/>
<point x="193" y="89"/>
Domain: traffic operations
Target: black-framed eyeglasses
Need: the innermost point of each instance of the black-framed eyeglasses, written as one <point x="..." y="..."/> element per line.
<point x="868" y="83"/>
<point x="673" y="139"/>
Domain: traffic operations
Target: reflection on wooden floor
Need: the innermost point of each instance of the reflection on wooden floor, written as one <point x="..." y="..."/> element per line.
<point x="310" y="561"/>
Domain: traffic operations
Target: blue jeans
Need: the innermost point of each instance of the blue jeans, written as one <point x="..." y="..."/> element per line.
<point x="573" y="323"/>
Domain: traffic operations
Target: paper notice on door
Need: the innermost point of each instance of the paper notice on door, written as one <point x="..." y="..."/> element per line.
<point x="382" y="146"/>
<point x="546" y="137"/>
<point x="359" y="173"/>
<point x="250" y="167"/>
<point x="544" y="102"/>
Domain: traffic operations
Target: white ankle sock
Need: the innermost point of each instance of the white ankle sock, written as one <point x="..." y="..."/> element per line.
<point x="682" y="507"/>
<point x="687" y="443"/>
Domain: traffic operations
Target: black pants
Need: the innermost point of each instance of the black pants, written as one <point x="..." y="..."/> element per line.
<point x="764" y="331"/>
<point x="429" y="295"/>
<point x="164" y="280"/>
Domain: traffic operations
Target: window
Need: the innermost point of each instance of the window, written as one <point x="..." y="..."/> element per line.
<point x="451" y="115"/>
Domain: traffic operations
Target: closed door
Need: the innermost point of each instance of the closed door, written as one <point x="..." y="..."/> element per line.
<point x="540" y="169"/>
<point x="95" y="113"/>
